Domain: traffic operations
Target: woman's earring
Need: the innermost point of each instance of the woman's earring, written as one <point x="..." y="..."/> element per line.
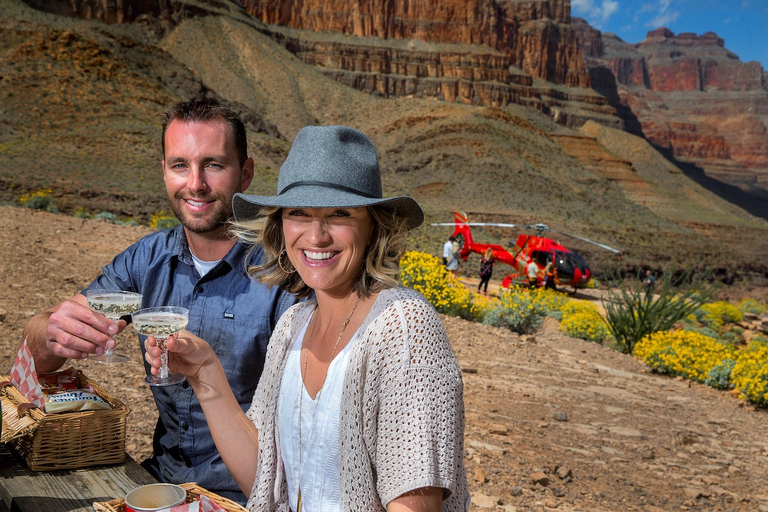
<point x="280" y="262"/>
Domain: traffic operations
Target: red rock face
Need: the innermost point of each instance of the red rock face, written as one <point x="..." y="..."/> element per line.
<point x="535" y="34"/>
<point x="514" y="43"/>
<point x="688" y="94"/>
<point x="481" y="52"/>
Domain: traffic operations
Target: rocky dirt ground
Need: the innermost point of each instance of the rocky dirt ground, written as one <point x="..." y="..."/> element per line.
<point x="553" y="423"/>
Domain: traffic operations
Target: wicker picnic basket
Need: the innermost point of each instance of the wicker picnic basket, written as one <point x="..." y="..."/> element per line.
<point x="194" y="492"/>
<point x="69" y="440"/>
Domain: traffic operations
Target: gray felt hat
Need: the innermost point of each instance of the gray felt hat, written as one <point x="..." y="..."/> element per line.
<point x="329" y="167"/>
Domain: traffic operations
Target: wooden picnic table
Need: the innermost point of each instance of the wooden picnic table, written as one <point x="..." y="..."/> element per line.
<point x="24" y="490"/>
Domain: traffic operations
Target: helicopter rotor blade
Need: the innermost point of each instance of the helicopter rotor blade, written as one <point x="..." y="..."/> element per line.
<point x="495" y="224"/>
<point x="606" y="247"/>
<point x="540" y="228"/>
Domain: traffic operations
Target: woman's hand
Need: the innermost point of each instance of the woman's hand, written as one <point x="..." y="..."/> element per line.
<point x="187" y="354"/>
<point x="235" y="435"/>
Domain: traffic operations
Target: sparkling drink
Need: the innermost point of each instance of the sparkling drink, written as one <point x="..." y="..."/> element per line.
<point x="161" y="322"/>
<point x="159" y="325"/>
<point x="113" y="304"/>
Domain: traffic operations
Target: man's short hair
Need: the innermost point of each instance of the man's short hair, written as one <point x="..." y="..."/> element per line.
<point x="201" y="111"/>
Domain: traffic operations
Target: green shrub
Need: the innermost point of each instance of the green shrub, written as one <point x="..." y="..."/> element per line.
<point x="518" y="311"/>
<point x="717" y="315"/>
<point x="684" y="353"/>
<point x="719" y="377"/>
<point x="633" y="313"/>
<point x="583" y="320"/>
<point x="107" y="216"/>
<point x="38" y="200"/>
<point x="427" y="275"/>
<point x="750" y="373"/>
<point x="163" y="220"/>
<point x="752" y="306"/>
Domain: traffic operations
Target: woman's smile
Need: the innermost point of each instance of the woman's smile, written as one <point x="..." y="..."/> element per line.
<point x="327" y="246"/>
<point x="318" y="256"/>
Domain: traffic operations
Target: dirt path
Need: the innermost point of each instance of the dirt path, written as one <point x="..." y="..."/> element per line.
<point x="552" y="422"/>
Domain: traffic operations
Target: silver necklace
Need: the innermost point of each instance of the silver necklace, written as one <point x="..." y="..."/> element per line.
<point x="304" y="373"/>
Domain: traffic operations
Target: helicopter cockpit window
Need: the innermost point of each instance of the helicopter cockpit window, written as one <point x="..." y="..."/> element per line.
<point x="568" y="262"/>
<point x="541" y="258"/>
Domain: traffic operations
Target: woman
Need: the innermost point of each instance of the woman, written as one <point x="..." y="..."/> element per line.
<point x="550" y="273"/>
<point x="486" y="270"/>
<point x="360" y="404"/>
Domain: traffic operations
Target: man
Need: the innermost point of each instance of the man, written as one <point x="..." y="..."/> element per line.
<point x="197" y="266"/>
<point x="532" y="270"/>
<point x="649" y="282"/>
<point x="447" y="250"/>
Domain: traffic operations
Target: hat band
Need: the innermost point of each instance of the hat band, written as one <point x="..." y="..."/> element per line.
<point x="326" y="185"/>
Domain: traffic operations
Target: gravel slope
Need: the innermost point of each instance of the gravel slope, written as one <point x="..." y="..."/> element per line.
<point x="552" y="422"/>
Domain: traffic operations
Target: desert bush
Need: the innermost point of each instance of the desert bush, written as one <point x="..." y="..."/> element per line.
<point x="522" y="310"/>
<point x="549" y="302"/>
<point x="632" y="312"/>
<point x="752" y="306"/>
<point x="717" y="315"/>
<point x="427" y="275"/>
<point x="163" y="220"/>
<point x="684" y="353"/>
<point x="583" y="320"/>
<point x="38" y="200"/>
<point x="106" y="216"/>
<point x="80" y="213"/>
<point x="719" y="377"/>
<point x="750" y="373"/>
<point x="517" y="311"/>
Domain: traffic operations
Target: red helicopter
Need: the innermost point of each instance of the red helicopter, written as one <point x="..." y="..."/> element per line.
<point x="571" y="269"/>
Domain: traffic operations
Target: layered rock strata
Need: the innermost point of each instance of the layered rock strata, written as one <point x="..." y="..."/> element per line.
<point x="688" y="95"/>
<point x="483" y="52"/>
<point x="486" y="52"/>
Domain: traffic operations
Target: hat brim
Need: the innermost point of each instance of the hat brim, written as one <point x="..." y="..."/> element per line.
<point x="247" y="207"/>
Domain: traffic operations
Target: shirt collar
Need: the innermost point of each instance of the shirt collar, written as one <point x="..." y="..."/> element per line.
<point x="234" y="256"/>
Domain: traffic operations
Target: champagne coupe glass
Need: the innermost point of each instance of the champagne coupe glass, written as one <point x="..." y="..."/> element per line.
<point x="161" y="322"/>
<point x="113" y="304"/>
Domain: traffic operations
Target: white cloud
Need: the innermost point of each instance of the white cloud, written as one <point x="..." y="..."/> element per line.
<point x="664" y="16"/>
<point x="596" y="14"/>
<point x="664" y="19"/>
<point x="610" y="7"/>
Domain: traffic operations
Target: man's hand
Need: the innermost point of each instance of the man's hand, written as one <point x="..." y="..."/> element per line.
<point x="71" y="330"/>
<point x="75" y="331"/>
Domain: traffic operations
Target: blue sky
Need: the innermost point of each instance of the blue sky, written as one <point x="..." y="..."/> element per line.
<point x="743" y="24"/>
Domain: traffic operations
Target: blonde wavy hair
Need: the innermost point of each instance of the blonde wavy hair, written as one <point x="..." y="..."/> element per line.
<point x="381" y="267"/>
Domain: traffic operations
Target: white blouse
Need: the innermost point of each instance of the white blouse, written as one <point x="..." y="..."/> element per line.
<point x="318" y="471"/>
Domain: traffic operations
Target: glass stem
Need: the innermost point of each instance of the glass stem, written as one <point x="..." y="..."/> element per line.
<point x="163" y="372"/>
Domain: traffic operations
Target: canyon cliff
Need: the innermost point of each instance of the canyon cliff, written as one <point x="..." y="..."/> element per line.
<point x="483" y="52"/>
<point x="686" y="94"/>
<point x="689" y="96"/>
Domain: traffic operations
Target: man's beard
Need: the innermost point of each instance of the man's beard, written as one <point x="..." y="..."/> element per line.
<point x="206" y="224"/>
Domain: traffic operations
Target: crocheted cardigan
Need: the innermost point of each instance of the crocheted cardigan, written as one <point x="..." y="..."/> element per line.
<point x="402" y="409"/>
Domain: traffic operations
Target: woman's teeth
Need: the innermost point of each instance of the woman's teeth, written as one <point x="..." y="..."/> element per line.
<point x="319" y="255"/>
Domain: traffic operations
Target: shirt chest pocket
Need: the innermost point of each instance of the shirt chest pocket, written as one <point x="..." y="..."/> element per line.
<point x="242" y="343"/>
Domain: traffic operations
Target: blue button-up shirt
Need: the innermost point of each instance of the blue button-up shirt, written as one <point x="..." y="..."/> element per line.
<point x="233" y="313"/>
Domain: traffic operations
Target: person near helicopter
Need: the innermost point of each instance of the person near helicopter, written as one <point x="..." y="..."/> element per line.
<point x="550" y="274"/>
<point x="486" y="270"/>
<point x="532" y="271"/>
